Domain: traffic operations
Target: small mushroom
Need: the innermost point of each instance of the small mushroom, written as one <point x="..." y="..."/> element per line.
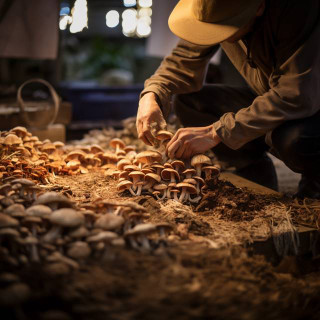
<point x="125" y="185"/>
<point x="187" y="188"/>
<point x="65" y="217"/>
<point x="139" y="233"/>
<point x="109" y="222"/>
<point x="79" y="250"/>
<point x="198" y="161"/>
<point x="117" y="144"/>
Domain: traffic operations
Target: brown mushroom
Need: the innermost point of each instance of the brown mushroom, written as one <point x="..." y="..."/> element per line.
<point x="198" y="161"/>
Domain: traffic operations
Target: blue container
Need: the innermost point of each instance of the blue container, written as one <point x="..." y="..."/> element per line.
<point x="96" y="103"/>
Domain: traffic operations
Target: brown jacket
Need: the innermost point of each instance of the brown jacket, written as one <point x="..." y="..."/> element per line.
<point x="280" y="61"/>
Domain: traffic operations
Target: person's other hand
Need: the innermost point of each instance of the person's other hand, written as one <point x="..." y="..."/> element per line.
<point x="149" y="118"/>
<point x="190" y="141"/>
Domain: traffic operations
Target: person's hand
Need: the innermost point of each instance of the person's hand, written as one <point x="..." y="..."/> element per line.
<point x="149" y="118"/>
<point x="190" y="141"/>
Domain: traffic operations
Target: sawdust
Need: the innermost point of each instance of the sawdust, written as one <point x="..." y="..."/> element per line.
<point x="203" y="272"/>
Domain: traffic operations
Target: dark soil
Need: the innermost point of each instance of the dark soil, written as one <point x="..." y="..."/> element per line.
<point x="182" y="278"/>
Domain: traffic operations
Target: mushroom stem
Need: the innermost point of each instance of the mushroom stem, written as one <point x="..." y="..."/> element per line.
<point x="183" y="194"/>
<point x="198" y="169"/>
<point x="34" y="253"/>
<point x="162" y="197"/>
<point x="131" y="191"/>
<point x="195" y="200"/>
<point x="175" y="197"/>
<point x="145" y="243"/>
<point x="173" y="178"/>
<point x="139" y="190"/>
<point x="52" y="234"/>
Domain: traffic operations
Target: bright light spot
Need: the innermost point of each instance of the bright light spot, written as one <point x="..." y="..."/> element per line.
<point x="129" y="14"/>
<point x="143" y="29"/>
<point x="64" y="11"/>
<point x="145" y="3"/>
<point x="145" y="20"/>
<point x="112" y="18"/>
<point x="129" y="21"/>
<point x="145" y="12"/>
<point x="79" y="16"/>
<point x="129" y="3"/>
<point x="64" y="21"/>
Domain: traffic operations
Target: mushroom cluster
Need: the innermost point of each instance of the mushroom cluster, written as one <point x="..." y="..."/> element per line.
<point x="49" y="228"/>
<point x="149" y="172"/>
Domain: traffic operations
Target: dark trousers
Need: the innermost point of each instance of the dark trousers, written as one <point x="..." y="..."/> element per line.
<point x="296" y="142"/>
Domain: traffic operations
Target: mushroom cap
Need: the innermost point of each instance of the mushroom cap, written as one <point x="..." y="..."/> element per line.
<point x="48" y="147"/>
<point x="189" y="187"/>
<point x="123" y="185"/>
<point x="31" y="220"/>
<point x="54" y="197"/>
<point x="167" y="172"/>
<point x="15" y="209"/>
<point x="164" y="225"/>
<point x="108" y="156"/>
<point x="58" y="144"/>
<point x="80" y="232"/>
<point x="117" y="142"/>
<point x="163" y="135"/>
<point x="129" y="148"/>
<point x="9" y="232"/>
<point x="24" y="182"/>
<point x="168" y="165"/>
<point x="136" y="174"/>
<point x="12" y="139"/>
<point x="178" y="164"/>
<point x="199" y="179"/>
<point x="124" y="175"/>
<point x="20" y="131"/>
<point x="102" y="236"/>
<point x="131" y="167"/>
<point x="79" y="250"/>
<point x="75" y="155"/>
<point x="109" y="222"/>
<point x="147" y="170"/>
<point x="143" y="228"/>
<point x="95" y="148"/>
<point x="5" y="188"/>
<point x="160" y="187"/>
<point x="38" y="210"/>
<point x="190" y="180"/>
<point x="200" y="159"/>
<point x="73" y="164"/>
<point x="7" y="221"/>
<point x="122" y="163"/>
<point x="67" y="217"/>
<point x="192" y="171"/>
<point x="157" y="166"/>
<point x="149" y="156"/>
<point x="152" y="176"/>
<point x="214" y="169"/>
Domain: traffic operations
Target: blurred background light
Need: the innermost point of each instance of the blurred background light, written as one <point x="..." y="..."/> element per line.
<point x="79" y="16"/>
<point x="143" y="29"/>
<point x="64" y="11"/>
<point x="64" y="21"/>
<point x="145" y="3"/>
<point x="112" y="18"/>
<point x="129" y="3"/>
<point x="145" y="12"/>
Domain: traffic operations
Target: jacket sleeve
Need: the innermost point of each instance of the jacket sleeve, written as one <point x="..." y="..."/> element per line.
<point x="294" y="91"/>
<point x="183" y="71"/>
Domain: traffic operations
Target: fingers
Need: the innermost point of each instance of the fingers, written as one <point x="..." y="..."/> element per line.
<point x="181" y="150"/>
<point x="174" y="148"/>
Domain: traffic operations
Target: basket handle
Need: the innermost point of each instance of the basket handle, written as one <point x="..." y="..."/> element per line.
<point x="22" y="105"/>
